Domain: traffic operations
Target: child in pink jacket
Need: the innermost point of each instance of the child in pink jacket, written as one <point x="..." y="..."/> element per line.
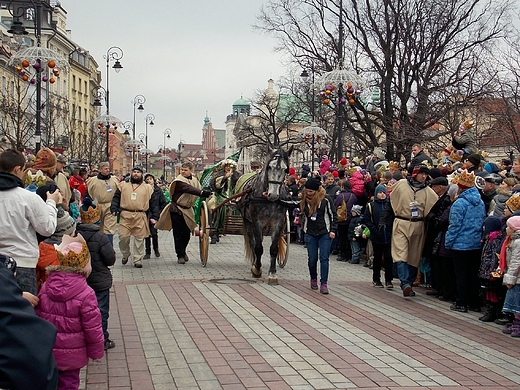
<point x="71" y="305"/>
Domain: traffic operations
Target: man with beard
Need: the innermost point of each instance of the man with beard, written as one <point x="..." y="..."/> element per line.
<point x="411" y="200"/>
<point x="131" y="201"/>
<point x="184" y="191"/>
<point x="62" y="181"/>
<point x="102" y="188"/>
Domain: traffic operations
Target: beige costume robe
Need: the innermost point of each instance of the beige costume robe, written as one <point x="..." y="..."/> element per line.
<point x="133" y="219"/>
<point x="103" y="191"/>
<point x="63" y="184"/>
<point x="408" y="236"/>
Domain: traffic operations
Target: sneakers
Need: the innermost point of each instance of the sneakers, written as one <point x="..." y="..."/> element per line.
<point x="324" y="289"/>
<point x="109" y="344"/>
<point x="157" y="253"/>
<point x="407" y="290"/>
<point x="147" y="256"/>
<point x="389" y="285"/>
<point x="138" y="265"/>
<point x="412" y="293"/>
<point x="378" y="284"/>
<point x="125" y="260"/>
<point x="181" y="260"/>
<point x="314" y="284"/>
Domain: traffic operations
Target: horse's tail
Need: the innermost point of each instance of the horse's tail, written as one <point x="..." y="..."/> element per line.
<point x="250" y="256"/>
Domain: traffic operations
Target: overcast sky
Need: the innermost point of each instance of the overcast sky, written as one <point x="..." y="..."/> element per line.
<point x="185" y="57"/>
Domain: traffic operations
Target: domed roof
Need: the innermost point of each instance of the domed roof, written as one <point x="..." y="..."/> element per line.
<point x="241" y="102"/>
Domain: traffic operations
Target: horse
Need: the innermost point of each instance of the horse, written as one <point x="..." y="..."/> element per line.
<point x="265" y="205"/>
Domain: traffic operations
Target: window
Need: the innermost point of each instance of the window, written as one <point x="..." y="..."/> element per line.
<point x="73" y="82"/>
<point x="79" y="84"/>
<point x="85" y="89"/>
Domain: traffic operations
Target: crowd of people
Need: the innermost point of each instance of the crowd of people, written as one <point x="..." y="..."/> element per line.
<point x="452" y="227"/>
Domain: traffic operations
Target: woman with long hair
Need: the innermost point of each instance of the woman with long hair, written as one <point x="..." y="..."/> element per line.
<point x="320" y="227"/>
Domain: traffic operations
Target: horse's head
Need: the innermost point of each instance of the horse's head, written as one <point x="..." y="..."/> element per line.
<point x="275" y="170"/>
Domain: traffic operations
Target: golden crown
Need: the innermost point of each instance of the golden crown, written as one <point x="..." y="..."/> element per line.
<point x="467" y="124"/>
<point x="513" y="203"/>
<point x="89" y="216"/>
<point x="75" y="259"/>
<point x="393" y="165"/>
<point x="466" y="179"/>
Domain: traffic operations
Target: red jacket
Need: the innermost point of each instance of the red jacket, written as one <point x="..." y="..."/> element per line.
<point x="77" y="183"/>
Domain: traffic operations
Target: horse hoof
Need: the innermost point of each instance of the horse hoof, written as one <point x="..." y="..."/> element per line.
<point x="272" y="280"/>
<point x="257" y="273"/>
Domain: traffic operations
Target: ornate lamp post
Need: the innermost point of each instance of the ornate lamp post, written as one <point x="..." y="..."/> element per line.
<point x="166" y="135"/>
<point x="140" y="147"/>
<point x="138" y="102"/>
<point x="149" y="121"/>
<point x="36" y="60"/>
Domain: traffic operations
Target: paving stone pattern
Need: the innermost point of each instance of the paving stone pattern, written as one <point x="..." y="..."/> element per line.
<point x="188" y="327"/>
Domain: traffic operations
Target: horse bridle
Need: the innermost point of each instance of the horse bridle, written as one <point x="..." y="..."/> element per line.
<point x="279" y="182"/>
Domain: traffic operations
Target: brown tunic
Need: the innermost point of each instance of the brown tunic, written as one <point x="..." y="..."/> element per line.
<point x="133" y="219"/>
<point x="98" y="189"/>
<point x="408" y="236"/>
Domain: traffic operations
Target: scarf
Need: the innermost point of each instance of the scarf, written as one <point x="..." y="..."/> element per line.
<point x="502" y="264"/>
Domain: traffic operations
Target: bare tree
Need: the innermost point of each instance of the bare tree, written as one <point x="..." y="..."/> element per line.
<point x="420" y="54"/>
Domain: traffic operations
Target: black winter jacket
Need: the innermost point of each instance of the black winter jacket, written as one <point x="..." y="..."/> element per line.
<point x="373" y="212"/>
<point x="326" y="219"/>
<point x="156" y="204"/>
<point x="102" y="256"/>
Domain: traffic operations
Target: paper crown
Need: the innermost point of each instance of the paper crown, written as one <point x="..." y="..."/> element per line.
<point x="393" y="165"/>
<point x="73" y="252"/>
<point x="467" y="124"/>
<point x="89" y="211"/>
<point x="513" y="203"/>
<point x="465" y="179"/>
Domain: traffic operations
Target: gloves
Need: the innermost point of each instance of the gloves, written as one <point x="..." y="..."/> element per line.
<point x="205" y="193"/>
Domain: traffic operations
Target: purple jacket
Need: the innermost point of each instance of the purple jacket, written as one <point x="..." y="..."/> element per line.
<point x="71" y="305"/>
<point x="350" y="200"/>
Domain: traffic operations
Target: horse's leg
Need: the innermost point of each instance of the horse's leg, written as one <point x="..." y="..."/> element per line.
<point x="256" y="267"/>
<point x="273" y="250"/>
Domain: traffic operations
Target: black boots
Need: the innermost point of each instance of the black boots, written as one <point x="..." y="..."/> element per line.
<point x="491" y="313"/>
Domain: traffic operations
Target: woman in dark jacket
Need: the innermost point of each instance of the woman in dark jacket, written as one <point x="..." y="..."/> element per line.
<point x="345" y="195"/>
<point x="156" y="205"/>
<point x="102" y="256"/>
<point x="381" y="237"/>
<point x="320" y="226"/>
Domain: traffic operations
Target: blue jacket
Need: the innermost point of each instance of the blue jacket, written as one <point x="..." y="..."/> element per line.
<point x="467" y="216"/>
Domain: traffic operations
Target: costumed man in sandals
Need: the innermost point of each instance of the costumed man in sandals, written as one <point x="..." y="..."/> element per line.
<point x="102" y="188"/>
<point x="179" y="215"/>
<point x="131" y="201"/>
<point x="222" y="183"/>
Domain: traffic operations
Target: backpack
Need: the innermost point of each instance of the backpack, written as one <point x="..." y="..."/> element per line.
<point x="342" y="211"/>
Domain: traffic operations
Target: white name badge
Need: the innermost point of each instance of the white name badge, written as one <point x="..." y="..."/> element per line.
<point x="109" y="189"/>
<point x="133" y="196"/>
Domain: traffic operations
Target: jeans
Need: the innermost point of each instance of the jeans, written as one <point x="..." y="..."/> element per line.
<point x="356" y="250"/>
<point x="26" y="278"/>
<point x="103" y="299"/>
<point x="321" y="243"/>
<point x="407" y="274"/>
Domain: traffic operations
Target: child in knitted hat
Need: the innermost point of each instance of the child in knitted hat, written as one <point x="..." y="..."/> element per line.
<point x="65" y="225"/>
<point x="510" y="268"/>
<point x="102" y="256"/>
<point x="70" y="304"/>
<point x="355" y="246"/>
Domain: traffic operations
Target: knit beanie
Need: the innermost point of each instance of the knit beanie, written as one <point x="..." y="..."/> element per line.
<point x="45" y="161"/>
<point x="491" y="167"/>
<point x="380" y="188"/>
<point x="474" y="158"/>
<point x="435" y="172"/>
<point x="73" y="252"/>
<point x="8" y="262"/>
<point x="514" y="223"/>
<point x="89" y="211"/>
<point x="491" y="224"/>
<point x="65" y="223"/>
<point x="313" y="184"/>
<point x="357" y="209"/>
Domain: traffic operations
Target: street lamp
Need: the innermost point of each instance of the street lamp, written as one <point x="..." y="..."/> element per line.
<point x="138" y="102"/>
<point x="149" y="121"/>
<point x="34" y="59"/>
<point x="166" y="135"/>
<point x="140" y="146"/>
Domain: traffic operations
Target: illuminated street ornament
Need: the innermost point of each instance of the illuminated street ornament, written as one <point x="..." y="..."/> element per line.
<point x="349" y="96"/>
<point x="38" y="62"/>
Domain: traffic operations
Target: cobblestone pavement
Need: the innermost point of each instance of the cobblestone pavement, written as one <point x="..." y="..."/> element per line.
<point x="188" y="327"/>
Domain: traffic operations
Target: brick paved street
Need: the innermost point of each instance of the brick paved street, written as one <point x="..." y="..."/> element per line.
<point x="188" y="327"/>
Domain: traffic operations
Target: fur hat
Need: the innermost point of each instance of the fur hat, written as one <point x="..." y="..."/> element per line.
<point x="61" y="158"/>
<point x="465" y="179"/>
<point x="513" y="203"/>
<point x="474" y="158"/>
<point x="380" y="188"/>
<point x="358" y="209"/>
<point x="313" y="184"/>
<point x="65" y="224"/>
<point x="45" y="161"/>
<point x="8" y="262"/>
<point x="89" y="211"/>
<point x="514" y="222"/>
<point x="73" y="252"/>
